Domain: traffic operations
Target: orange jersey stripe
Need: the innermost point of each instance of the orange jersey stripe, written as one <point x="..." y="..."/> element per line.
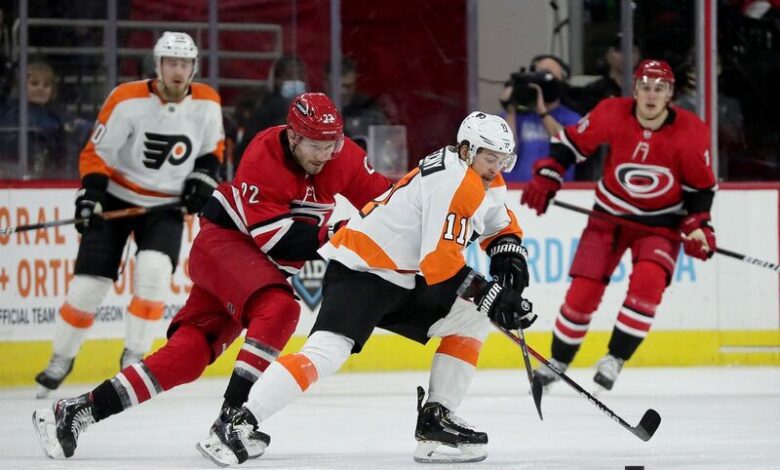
<point x="122" y="181"/>
<point x="146" y="309"/>
<point x="447" y="259"/>
<point x="400" y="184"/>
<point x="512" y="228"/>
<point x="76" y="318"/>
<point x="301" y="368"/>
<point x="201" y="91"/>
<point x="461" y="347"/>
<point x="363" y="246"/>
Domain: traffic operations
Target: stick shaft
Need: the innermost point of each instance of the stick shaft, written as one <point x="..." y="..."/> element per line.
<point x="117" y="214"/>
<point x="664" y="233"/>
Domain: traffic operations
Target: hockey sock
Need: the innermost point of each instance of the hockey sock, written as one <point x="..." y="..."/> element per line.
<point x="645" y="289"/>
<point x="152" y="276"/>
<point x="452" y="370"/>
<point x="573" y="320"/>
<point x="288" y="377"/>
<point x="181" y="360"/>
<point x="106" y="401"/>
<point x="273" y="315"/>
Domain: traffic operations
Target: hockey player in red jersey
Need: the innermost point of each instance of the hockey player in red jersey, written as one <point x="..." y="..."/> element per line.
<point x="658" y="172"/>
<point x="254" y="231"/>
<point x="401" y="267"/>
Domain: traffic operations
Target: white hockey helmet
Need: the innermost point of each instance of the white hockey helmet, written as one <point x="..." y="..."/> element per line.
<point x="482" y="130"/>
<point x="174" y="44"/>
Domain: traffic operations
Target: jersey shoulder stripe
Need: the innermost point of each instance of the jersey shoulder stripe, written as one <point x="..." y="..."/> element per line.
<point x="202" y="91"/>
<point x="124" y="92"/>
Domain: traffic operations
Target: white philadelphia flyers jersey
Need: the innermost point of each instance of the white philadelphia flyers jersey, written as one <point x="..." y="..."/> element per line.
<point x="146" y="146"/>
<point x="423" y="224"/>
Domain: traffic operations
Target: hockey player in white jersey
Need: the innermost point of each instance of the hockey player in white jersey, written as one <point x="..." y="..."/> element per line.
<point x="154" y="142"/>
<point x="401" y="266"/>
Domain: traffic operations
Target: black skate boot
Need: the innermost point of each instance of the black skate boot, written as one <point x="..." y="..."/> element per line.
<point x="437" y="426"/>
<point x="234" y="438"/>
<point x="52" y="377"/>
<point x="58" y="428"/>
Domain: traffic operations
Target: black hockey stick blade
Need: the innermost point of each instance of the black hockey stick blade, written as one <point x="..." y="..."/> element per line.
<point x="647" y="425"/>
<point x="520" y="340"/>
<point x="537" y="389"/>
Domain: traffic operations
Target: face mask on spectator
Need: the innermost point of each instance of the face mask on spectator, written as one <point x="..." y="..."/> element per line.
<point x="292" y="88"/>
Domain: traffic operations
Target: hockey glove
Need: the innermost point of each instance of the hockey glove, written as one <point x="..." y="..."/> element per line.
<point x="503" y="305"/>
<point x="508" y="262"/>
<point x="548" y="176"/>
<point x="699" y="240"/>
<point x="197" y="190"/>
<point x="89" y="202"/>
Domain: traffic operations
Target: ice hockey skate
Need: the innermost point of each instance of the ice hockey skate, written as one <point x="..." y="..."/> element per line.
<point x="129" y="358"/>
<point x="52" y="377"/>
<point x="58" y="427"/>
<point x="233" y="438"/>
<point x="546" y="377"/>
<point x="438" y="427"/>
<point x="607" y="370"/>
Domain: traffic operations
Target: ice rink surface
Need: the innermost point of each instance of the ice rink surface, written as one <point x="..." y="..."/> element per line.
<point x="713" y="418"/>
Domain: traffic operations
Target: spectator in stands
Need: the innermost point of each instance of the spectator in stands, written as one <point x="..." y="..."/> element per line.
<point x="287" y="79"/>
<point x="731" y="138"/>
<point x="611" y="83"/>
<point x="534" y="123"/>
<point x="46" y="131"/>
<point x="359" y="111"/>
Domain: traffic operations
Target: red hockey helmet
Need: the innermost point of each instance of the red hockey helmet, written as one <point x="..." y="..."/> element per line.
<point x="653" y="70"/>
<point x="313" y="115"/>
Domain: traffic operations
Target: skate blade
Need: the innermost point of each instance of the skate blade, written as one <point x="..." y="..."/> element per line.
<point x="437" y="452"/>
<point x="213" y="449"/>
<point x="46" y="430"/>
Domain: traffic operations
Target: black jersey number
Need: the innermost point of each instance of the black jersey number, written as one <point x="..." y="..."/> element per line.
<point x="452" y="221"/>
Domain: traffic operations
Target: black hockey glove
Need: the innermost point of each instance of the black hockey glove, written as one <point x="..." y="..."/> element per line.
<point x="508" y="262"/>
<point x="90" y="200"/>
<point x="503" y="305"/>
<point x="197" y="190"/>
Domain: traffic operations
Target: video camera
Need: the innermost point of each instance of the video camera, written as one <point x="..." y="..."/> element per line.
<point x="524" y="97"/>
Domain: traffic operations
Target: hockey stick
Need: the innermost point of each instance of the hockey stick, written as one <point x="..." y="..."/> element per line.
<point x="536" y="389"/>
<point x="647" y="425"/>
<point x="656" y="231"/>
<point x="117" y="214"/>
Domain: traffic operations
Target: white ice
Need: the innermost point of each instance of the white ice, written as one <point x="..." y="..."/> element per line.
<point x="713" y="418"/>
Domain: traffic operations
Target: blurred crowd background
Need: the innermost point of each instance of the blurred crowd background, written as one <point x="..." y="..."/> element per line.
<point x="403" y="72"/>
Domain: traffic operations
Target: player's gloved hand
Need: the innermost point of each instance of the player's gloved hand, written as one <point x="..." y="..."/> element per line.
<point x="508" y="263"/>
<point x="548" y="176"/>
<point x="89" y="202"/>
<point x="198" y="187"/>
<point x="505" y="306"/>
<point x="699" y="236"/>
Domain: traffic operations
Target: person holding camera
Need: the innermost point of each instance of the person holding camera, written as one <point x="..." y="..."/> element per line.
<point x="532" y="101"/>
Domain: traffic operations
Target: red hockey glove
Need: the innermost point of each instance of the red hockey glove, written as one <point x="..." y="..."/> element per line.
<point x="699" y="240"/>
<point x="548" y="176"/>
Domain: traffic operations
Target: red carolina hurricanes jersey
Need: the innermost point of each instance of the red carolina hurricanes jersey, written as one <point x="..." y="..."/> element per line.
<point x="645" y="172"/>
<point x="270" y="190"/>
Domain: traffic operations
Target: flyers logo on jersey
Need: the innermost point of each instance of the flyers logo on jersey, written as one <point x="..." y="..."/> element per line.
<point x="160" y="147"/>
<point x="644" y="181"/>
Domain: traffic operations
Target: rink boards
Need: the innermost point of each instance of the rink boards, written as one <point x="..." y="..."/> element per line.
<point x="715" y="313"/>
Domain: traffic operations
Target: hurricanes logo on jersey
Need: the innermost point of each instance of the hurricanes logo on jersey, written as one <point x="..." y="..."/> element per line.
<point x="160" y="147"/>
<point x="644" y="181"/>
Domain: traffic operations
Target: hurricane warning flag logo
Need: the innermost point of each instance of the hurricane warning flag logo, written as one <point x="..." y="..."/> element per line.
<point x="160" y="147"/>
